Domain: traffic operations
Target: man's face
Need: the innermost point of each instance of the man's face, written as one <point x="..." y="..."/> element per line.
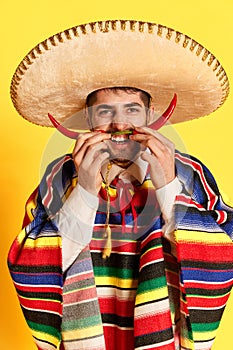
<point x="117" y="111"/>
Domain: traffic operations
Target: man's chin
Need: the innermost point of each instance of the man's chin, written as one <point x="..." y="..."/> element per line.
<point x="123" y="163"/>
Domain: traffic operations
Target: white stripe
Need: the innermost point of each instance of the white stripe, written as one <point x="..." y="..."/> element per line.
<point x="95" y="343"/>
<point x="151" y="262"/>
<point x="159" y="306"/>
<point x="42" y="310"/>
<point x="78" y="274"/>
<point x="51" y="176"/>
<point x="155" y="345"/>
<point x="206" y="282"/>
<point x="219" y="216"/>
<point x="115" y="252"/>
<point x="116" y="326"/>
<point x="204" y="346"/>
<point x="206" y="308"/>
<point x="116" y="293"/>
<point x="190" y="205"/>
<point x="81" y="302"/>
<point x="200" y="171"/>
<point x="38" y="285"/>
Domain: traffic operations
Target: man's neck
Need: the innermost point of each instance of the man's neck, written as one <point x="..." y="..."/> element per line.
<point x="136" y="169"/>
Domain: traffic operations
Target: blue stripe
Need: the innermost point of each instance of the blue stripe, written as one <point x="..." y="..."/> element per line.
<point x="207" y="275"/>
<point x="37" y="279"/>
<point x="84" y="265"/>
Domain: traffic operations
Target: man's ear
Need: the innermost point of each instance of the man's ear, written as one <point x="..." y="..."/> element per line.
<point x="150" y="115"/>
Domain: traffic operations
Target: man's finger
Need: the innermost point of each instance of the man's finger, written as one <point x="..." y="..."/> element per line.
<point x="90" y="138"/>
<point x="147" y="131"/>
<point x="87" y="152"/>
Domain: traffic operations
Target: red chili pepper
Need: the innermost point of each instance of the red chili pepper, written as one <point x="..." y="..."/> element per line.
<point x="64" y="131"/>
<point x="155" y="126"/>
<point x="69" y="133"/>
<point x="165" y="116"/>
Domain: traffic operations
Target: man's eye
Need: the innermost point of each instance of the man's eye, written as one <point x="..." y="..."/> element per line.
<point x="133" y="110"/>
<point x="105" y="113"/>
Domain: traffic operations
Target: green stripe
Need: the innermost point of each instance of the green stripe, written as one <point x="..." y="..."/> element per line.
<point x="152" y="284"/>
<point x="81" y="323"/>
<point x="45" y="329"/>
<point x="205" y="327"/>
<point x="115" y="272"/>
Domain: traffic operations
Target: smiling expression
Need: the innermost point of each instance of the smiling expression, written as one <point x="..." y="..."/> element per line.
<point x="118" y="113"/>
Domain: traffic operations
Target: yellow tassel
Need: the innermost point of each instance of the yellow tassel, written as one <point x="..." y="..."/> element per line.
<point x="108" y="245"/>
<point x="107" y="230"/>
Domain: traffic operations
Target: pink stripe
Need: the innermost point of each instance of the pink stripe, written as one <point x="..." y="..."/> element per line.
<point x="79" y="295"/>
<point x="79" y="277"/>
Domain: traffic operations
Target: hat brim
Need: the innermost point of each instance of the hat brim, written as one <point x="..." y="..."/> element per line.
<point x="57" y="75"/>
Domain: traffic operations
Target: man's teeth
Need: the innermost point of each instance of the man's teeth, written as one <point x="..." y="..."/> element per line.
<point x="119" y="138"/>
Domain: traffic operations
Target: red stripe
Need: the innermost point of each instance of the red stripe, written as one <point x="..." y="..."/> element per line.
<point x="211" y="195"/>
<point x="42" y="305"/>
<point x="208" y="286"/>
<point x="150" y="237"/>
<point x="211" y="252"/>
<point x="152" y="323"/>
<point x="116" y="338"/>
<point x="173" y="278"/>
<point x="207" y="302"/>
<point x="111" y="305"/>
<point x="187" y="200"/>
<point x="184" y="307"/>
<point x="151" y="256"/>
<point x="222" y="216"/>
<point x="36" y="256"/>
<point x="49" y="195"/>
<point x="117" y="246"/>
<point x="38" y="289"/>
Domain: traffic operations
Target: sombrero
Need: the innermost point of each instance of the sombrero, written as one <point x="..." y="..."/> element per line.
<point x="57" y="75"/>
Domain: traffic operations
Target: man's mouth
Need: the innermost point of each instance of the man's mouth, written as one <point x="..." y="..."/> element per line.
<point x="120" y="138"/>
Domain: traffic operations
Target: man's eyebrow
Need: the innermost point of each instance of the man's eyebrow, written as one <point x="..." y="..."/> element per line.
<point x="103" y="106"/>
<point x="125" y="105"/>
<point x="132" y="104"/>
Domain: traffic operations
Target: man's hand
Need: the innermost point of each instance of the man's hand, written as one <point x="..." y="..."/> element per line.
<point x="161" y="159"/>
<point x="89" y="154"/>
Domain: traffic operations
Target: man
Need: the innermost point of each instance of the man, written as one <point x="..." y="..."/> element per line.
<point x="127" y="242"/>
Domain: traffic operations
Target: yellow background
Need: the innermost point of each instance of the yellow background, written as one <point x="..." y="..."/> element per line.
<point x="24" y="24"/>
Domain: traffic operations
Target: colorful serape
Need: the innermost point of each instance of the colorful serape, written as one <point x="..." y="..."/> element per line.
<point x="142" y="297"/>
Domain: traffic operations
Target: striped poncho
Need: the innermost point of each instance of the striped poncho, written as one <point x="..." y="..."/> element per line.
<point x="142" y="297"/>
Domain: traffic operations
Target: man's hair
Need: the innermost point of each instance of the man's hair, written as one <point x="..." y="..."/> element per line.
<point x="146" y="98"/>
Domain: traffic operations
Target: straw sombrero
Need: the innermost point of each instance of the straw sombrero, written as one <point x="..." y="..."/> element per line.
<point x="56" y="76"/>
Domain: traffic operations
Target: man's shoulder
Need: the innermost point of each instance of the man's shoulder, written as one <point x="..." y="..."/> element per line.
<point x="57" y="180"/>
<point x="187" y="160"/>
<point x="59" y="171"/>
<point x="63" y="165"/>
<point x="59" y="163"/>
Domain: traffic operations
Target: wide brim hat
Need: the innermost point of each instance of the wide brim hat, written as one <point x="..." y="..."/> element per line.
<point x="57" y="75"/>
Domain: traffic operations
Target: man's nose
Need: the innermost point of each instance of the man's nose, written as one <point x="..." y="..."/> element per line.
<point x="119" y="121"/>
